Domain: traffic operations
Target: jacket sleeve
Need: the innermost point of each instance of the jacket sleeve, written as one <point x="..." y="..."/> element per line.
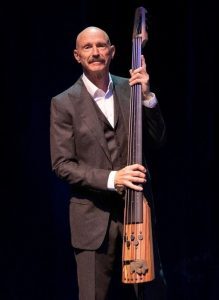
<point x="154" y="128"/>
<point x="64" y="158"/>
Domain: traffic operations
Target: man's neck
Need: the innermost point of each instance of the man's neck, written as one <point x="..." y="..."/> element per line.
<point x="100" y="80"/>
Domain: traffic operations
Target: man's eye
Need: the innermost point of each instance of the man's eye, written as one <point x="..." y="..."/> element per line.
<point x="102" y="46"/>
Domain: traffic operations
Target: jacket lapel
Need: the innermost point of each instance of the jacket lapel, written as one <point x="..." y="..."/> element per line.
<point x="90" y="118"/>
<point x="120" y="99"/>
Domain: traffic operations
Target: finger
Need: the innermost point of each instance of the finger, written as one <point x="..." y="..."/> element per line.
<point x="137" y="180"/>
<point x="137" y="71"/>
<point x="133" y="179"/>
<point x="135" y="187"/>
<point x="138" y="174"/>
<point x="143" y="62"/>
<point x="138" y="167"/>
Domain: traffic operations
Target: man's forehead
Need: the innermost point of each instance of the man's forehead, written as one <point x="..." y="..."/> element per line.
<point x="92" y="35"/>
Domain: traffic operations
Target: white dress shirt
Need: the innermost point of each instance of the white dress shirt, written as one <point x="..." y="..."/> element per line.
<point x="103" y="100"/>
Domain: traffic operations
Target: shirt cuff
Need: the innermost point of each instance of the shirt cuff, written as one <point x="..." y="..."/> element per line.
<point x="151" y="102"/>
<point x="111" y="180"/>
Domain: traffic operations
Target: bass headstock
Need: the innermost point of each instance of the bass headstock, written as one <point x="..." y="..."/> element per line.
<point x="140" y="25"/>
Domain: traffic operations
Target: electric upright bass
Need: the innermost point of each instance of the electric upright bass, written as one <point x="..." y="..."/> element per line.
<point x="137" y="250"/>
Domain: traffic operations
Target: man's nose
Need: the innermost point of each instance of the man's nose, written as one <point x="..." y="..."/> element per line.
<point x="95" y="50"/>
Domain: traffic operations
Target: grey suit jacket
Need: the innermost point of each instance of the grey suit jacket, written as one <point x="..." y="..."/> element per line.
<point x="80" y="156"/>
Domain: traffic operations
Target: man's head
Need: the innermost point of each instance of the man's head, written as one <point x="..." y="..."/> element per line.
<point x="94" y="50"/>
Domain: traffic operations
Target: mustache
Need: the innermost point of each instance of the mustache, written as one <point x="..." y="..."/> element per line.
<point x="92" y="60"/>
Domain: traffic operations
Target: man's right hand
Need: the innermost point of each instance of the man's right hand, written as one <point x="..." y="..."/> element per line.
<point x="130" y="176"/>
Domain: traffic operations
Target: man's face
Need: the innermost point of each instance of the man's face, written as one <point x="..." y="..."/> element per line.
<point x="93" y="51"/>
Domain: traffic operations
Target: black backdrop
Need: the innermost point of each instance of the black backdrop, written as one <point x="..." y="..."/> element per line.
<point x="36" y="47"/>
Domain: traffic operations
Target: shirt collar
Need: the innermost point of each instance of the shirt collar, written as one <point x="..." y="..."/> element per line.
<point x="94" y="91"/>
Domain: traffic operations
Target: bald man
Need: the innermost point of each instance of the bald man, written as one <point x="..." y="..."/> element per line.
<point x="89" y="139"/>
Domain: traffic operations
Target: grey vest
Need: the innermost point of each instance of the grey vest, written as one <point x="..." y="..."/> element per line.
<point x="116" y="137"/>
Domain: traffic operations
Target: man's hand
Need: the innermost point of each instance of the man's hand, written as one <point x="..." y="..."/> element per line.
<point x="140" y="75"/>
<point x="130" y="176"/>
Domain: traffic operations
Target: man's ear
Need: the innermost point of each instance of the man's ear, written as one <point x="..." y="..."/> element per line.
<point x="76" y="56"/>
<point x="113" y="50"/>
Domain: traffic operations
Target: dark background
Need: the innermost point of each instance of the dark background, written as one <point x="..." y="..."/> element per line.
<point x="36" y="64"/>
